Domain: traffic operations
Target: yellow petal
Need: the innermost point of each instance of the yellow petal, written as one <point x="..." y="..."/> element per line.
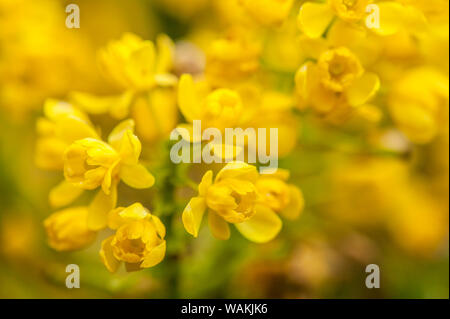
<point x="262" y="227"/>
<point x="345" y="34"/>
<point x="312" y="48"/>
<point x="306" y="79"/>
<point x="100" y="207"/>
<point x="141" y="65"/>
<point x="314" y="18"/>
<point x="187" y="99"/>
<point x="193" y="215"/>
<point x="155" y="114"/>
<point x="107" y="178"/>
<point x="390" y="18"/>
<point x="118" y="131"/>
<point x="118" y="106"/>
<point x="134" y="212"/>
<point x="363" y="89"/>
<point x="205" y="183"/>
<point x="160" y="228"/>
<point x="296" y="203"/>
<point x="54" y="110"/>
<point x="166" y="49"/>
<point x="63" y="194"/>
<point x="99" y="152"/>
<point x="154" y="256"/>
<point x="238" y="170"/>
<point x="130" y="148"/>
<point x="218" y="226"/>
<point x="70" y="129"/>
<point x="91" y="103"/>
<point x="49" y="153"/>
<point x="107" y="256"/>
<point x="114" y="218"/>
<point x="136" y="176"/>
<point x="414" y="19"/>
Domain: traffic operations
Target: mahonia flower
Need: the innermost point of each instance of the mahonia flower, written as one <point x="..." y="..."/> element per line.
<point x="68" y="230"/>
<point x="315" y="18"/>
<point x="138" y="241"/>
<point x="231" y="198"/>
<point x="220" y="108"/>
<point x="419" y="104"/>
<point x="268" y="12"/>
<point x="285" y="199"/>
<point x="336" y="81"/>
<point x="62" y="125"/>
<point x="90" y="163"/>
<point x="233" y="57"/>
<point x="224" y="108"/>
<point x="132" y="63"/>
<point x="145" y="83"/>
<point x="267" y="108"/>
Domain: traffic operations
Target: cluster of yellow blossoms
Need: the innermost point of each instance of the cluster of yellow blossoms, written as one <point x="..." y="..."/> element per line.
<point x="239" y="196"/>
<point x="334" y="68"/>
<point x="69" y="142"/>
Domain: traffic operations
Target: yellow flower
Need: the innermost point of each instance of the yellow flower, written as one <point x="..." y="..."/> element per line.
<point x="231" y="198"/>
<point x="62" y="125"/>
<point x="220" y="108"/>
<point x="420" y="222"/>
<point x="138" y="241"/>
<point x="90" y="163"/>
<point x="232" y="58"/>
<point x="336" y="81"/>
<point x="349" y="10"/>
<point x="268" y="12"/>
<point x="281" y="48"/>
<point x="419" y="104"/>
<point x="156" y="115"/>
<point x="267" y="108"/>
<point x="134" y="66"/>
<point x="67" y="229"/>
<point x="285" y="199"/>
<point x="132" y="63"/>
<point x="145" y="83"/>
<point x="315" y="18"/>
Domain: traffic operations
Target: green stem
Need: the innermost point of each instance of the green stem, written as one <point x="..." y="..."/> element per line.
<point x="169" y="216"/>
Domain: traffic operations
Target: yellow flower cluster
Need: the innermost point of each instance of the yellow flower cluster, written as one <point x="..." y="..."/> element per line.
<point x="69" y="142"/>
<point x="273" y="64"/>
<point x="140" y="71"/>
<point x="239" y="196"/>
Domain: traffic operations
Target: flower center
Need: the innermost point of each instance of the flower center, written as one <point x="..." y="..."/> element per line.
<point x="339" y="68"/>
<point x="350" y="3"/>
